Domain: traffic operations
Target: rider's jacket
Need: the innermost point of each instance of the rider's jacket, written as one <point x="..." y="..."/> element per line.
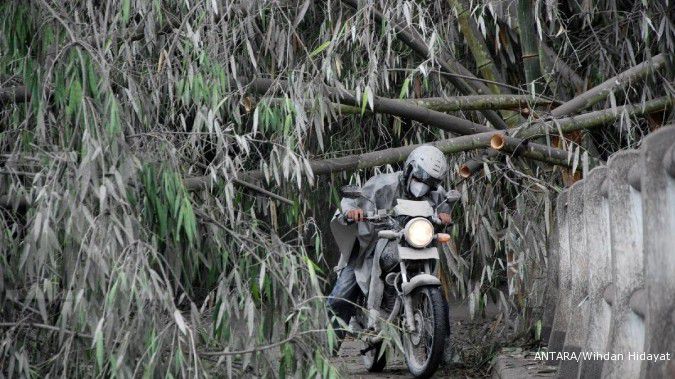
<point x="379" y="192"/>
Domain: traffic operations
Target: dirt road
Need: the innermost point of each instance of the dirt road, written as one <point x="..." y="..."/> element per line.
<point x="472" y="342"/>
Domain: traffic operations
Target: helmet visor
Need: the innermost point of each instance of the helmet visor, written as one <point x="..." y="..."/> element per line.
<point x="424" y="177"/>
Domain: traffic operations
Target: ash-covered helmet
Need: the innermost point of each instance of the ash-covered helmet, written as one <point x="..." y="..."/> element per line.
<point x="424" y="169"/>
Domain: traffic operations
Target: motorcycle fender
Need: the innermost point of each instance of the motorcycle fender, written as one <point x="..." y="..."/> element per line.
<point x="417" y="254"/>
<point x="419" y="281"/>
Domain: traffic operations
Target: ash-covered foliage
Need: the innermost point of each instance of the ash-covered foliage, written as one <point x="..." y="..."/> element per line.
<point x="112" y="262"/>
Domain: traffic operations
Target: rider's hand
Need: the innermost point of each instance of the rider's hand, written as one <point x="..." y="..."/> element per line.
<point x="355" y="214"/>
<point x="445" y="218"/>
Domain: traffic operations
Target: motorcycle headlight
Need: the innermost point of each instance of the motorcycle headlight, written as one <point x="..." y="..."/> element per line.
<point x="419" y="232"/>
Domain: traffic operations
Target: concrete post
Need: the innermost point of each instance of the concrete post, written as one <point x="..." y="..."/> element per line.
<point x="625" y="214"/>
<point x="658" y="199"/>
<point x="552" y="280"/>
<point x="578" y="316"/>
<point x="562" y="307"/>
<point x="598" y="251"/>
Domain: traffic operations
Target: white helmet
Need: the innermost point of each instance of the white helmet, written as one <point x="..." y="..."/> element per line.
<point x="424" y="169"/>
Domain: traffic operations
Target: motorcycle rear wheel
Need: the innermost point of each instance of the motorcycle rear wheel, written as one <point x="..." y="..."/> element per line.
<point x="424" y="348"/>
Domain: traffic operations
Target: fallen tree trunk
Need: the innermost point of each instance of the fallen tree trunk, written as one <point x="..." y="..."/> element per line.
<point x="479" y="102"/>
<point x="583" y="101"/>
<point x="521" y="103"/>
<point x="601" y="91"/>
<point x="389" y="106"/>
<point x="470" y="142"/>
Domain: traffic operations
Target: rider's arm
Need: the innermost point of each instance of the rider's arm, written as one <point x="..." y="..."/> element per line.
<point x="369" y="191"/>
<point x="439" y="198"/>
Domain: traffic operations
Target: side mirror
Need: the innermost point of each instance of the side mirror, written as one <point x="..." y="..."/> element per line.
<point x="350" y="191"/>
<point x="452" y="196"/>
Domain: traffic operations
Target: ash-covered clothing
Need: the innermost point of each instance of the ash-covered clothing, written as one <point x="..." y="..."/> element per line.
<point x="356" y="264"/>
<point x="379" y="192"/>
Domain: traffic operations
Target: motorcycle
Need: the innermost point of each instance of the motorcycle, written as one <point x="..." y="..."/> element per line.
<point x="405" y="257"/>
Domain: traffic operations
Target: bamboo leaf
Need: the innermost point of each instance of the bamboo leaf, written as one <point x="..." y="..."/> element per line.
<point x="126" y="10"/>
<point x="319" y="49"/>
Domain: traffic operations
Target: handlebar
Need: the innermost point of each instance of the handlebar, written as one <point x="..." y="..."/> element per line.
<point x="385" y="216"/>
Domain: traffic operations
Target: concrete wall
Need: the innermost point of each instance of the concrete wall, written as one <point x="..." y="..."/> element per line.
<point x="613" y="258"/>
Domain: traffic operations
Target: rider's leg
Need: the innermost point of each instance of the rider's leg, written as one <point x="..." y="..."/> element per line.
<point x="341" y="299"/>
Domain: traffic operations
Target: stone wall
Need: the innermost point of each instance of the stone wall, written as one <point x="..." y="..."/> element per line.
<point x="613" y="265"/>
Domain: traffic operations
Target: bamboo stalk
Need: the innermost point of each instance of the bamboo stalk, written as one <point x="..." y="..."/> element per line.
<point x="478" y="102"/>
<point x="592" y="96"/>
<point x="519" y="147"/>
<point x="389" y="106"/>
<point x="602" y="90"/>
<point x="19" y="94"/>
<point x="472" y="165"/>
<point x="592" y="119"/>
<point x="529" y="45"/>
<point x="367" y="160"/>
<point x="481" y="54"/>
<point x="411" y="38"/>
<point x="477" y="46"/>
<point x="565" y="71"/>
<point x="470" y="142"/>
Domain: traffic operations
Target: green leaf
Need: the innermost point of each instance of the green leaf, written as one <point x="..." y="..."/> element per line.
<point x="114" y="125"/>
<point x="75" y="98"/>
<point x="98" y="342"/>
<point x="404" y="89"/>
<point x="319" y="49"/>
<point x="126" y="8"/>
<point x="537" y="330"/>
<point x="364" y="102"/>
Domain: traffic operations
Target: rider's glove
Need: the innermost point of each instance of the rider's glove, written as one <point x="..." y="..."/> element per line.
<point x="445" y="218"/>
<point x="355" y="215"/>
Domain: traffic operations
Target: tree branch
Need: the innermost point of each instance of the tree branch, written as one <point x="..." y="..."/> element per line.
<point x="588" y="99"/>
<point x="601" y="91"/>
<point x="411" y="38"/>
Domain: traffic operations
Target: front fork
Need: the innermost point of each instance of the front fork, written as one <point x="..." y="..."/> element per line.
<point x="407" y="299"/>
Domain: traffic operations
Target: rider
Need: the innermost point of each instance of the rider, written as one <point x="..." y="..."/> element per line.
<point x="423" y="171"/>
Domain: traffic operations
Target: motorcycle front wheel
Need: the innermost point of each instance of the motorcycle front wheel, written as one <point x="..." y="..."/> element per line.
<point x="423" y="348"/>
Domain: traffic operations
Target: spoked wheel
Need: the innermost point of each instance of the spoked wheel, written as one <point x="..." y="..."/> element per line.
<point x="424" y="347"/>
<point x="372" y="359"/>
